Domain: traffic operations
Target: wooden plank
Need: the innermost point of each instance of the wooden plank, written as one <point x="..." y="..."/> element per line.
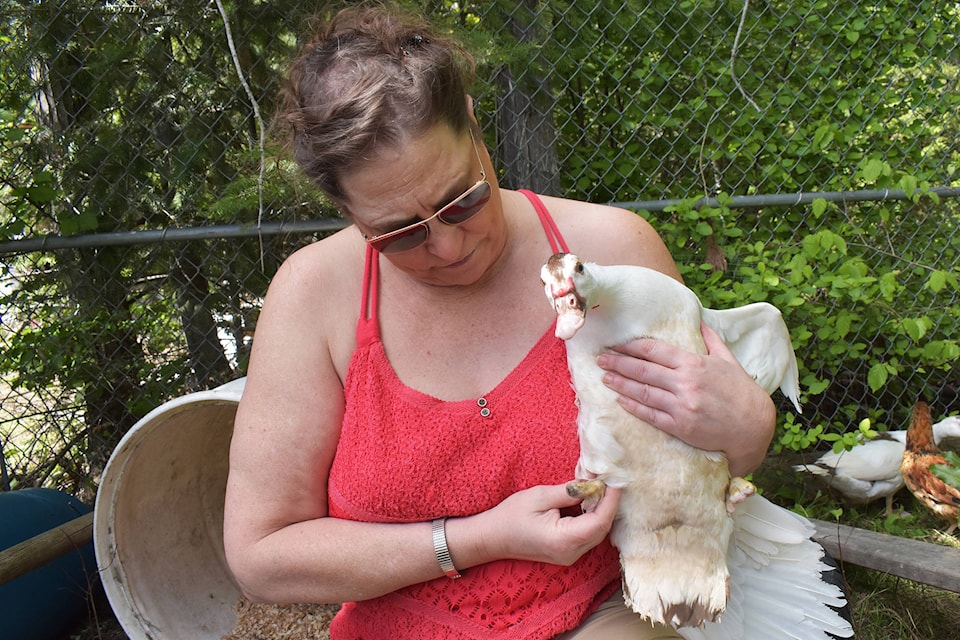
<point x="32" y="553"/>
<point x="925" y="562"/>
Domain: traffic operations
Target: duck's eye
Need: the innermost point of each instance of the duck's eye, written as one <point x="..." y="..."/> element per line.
<point x="579" y="267"/>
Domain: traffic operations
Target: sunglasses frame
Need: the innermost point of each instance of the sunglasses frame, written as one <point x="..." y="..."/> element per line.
<point x="378" y="240"/>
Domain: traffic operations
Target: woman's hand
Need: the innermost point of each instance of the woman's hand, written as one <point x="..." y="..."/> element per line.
<point x="708" y="401"/>
<point x="531" y="525"/>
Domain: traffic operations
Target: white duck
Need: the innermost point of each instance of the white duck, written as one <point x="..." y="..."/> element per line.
<point x="674" y="523"/>
<point x="871" y="469"/>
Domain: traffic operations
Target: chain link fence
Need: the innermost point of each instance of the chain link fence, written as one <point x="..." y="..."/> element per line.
<point x="801" y="151"/>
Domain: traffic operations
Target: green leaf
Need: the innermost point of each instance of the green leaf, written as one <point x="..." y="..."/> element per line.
<point x="889" y="285"/>
<point x="909" y="185"/>
<point x="842" y="326"/>
<point x="873" y="169"/>
<point x="817" y="386"/>
<point x="819" y="207"/>
<point x="941" y="351"/>
<point x="916" y="328"/>
<point x="950" y="472"/>
<point x="823" y="136"/>
<point x="937" y="281"/>
<point x="72" y="224"/>
<point x="877" y="377"/>
<point x="41" y="193"/>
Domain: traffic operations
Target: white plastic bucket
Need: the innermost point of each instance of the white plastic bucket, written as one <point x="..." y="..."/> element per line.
<point x="158" y="521"/>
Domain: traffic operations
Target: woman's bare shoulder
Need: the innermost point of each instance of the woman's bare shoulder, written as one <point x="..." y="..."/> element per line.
<point x="316" y="287"/>
<point x="333" y="257"/>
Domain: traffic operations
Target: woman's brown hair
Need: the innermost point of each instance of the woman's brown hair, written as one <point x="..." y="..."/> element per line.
<point x="368" y="77"/>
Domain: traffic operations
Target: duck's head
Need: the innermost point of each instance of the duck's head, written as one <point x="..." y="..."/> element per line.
<point x="560" y="276"/>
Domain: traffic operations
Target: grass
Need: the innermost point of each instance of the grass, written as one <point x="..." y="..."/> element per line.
<point x="889" y="608"/>
<point x="884" y="607"/>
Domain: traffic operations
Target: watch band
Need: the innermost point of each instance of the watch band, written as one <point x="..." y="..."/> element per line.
<point x="440" y="548"/>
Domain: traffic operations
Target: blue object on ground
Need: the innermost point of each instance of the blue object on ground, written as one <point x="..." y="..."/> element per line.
<point x="45" y="603"/>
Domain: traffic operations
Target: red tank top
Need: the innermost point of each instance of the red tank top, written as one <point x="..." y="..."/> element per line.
<point x="405" y="456"/>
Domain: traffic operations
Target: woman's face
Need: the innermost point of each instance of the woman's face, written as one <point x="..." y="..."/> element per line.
<point x="410" y="182"/>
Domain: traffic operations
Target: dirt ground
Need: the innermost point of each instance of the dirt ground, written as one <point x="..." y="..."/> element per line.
<point x="254" y="622"/>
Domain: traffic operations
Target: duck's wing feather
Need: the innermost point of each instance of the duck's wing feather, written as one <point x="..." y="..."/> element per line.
<point x="776" y="584"/>
<point x="757" y="335"/>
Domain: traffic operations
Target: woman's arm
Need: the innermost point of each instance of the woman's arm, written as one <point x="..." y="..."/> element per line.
<point x="327" y="559"/>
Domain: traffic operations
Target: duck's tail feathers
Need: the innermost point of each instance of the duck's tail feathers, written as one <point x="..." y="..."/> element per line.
<point x="781" y="584"/>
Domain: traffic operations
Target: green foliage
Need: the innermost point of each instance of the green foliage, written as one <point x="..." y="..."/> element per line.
<point x="795" y="436"/>
<point x="861" y="313"/>
<point x="117" y="117"/>
<point x="120" y="118"/>
<point x="847" y="440"/>
<point x="814" y="100"/>
<point x="949" y="472"/>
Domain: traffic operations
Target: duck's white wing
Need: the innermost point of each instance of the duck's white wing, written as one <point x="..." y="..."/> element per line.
<point x="868" y="471"/>
<point x="877" y="459"/>
<point x="863" y="491"/>
<point x="757" y="335"/>
<point x="946" y="433"/>
<point x="776" y="587"/>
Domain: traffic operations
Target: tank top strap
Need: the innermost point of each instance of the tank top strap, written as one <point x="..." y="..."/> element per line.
<point x="557" y="243"/>
<point x="368" y="329"/>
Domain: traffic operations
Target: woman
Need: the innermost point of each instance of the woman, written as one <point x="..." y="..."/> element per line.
<point x="408" y="418"/>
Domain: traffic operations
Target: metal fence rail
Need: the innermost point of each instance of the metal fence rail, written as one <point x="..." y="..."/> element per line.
<point x="796" y="151"/>
<point x="327" y="225"/>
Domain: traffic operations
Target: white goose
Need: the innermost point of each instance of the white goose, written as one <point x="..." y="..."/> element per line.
<point x="871" y="469"/>
<point x="674" y="526"/>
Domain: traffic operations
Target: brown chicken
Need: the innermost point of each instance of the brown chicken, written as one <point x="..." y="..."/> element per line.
<point x="921" y="452"/>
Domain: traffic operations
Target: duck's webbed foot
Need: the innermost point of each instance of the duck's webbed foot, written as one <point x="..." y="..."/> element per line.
<point x="590" y="491"/>
<point x="737" y="491"/>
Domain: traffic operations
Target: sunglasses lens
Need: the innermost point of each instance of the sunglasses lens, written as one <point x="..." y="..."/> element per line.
<point x="403" y="241"/>
<point x="468" y="206"/>
<point x="462" y="210"/>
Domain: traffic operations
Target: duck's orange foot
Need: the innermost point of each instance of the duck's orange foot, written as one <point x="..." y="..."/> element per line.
<point x="737" y="491"/>
<point x="590" y="491"/>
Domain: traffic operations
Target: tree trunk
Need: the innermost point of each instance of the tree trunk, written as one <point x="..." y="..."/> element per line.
<point x="527" y="133"/>
<point x="110" y="374"/>
<point x="207" y="358"/>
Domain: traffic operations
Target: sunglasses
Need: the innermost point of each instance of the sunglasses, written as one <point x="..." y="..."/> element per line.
<point x="462" y="208"/>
